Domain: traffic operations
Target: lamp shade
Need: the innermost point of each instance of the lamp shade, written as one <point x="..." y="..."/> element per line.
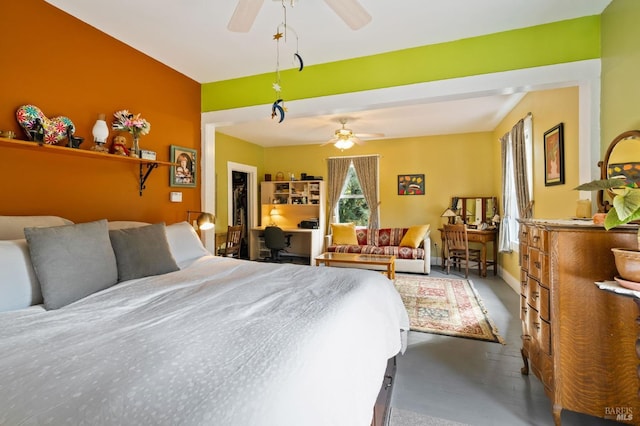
<point x="204" y="220"/>
<point x="450" y="214"/>
<point x="100" y="130"/>
<point x="272" y="215"/>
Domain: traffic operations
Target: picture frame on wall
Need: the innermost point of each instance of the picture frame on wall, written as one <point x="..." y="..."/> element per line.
<point x="411" y="184"/>
<point x="183" y="174"/>
<point x="554" y="156"/>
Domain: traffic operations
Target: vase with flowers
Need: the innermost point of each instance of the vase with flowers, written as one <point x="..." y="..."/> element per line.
<point x="134" y="124"/>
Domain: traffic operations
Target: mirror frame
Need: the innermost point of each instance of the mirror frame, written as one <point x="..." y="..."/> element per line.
<point x="604" y="205"/>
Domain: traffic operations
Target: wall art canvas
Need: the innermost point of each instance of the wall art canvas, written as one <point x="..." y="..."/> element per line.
<point x="411" y="184"/>
<point x="554" y="156"/>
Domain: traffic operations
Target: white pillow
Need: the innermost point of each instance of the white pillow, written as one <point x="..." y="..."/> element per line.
<point x="12" y="227"/>
<point x="19" y="286"/>
<point x="184" y="242"/>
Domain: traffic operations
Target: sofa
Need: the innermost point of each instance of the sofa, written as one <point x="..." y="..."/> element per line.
<point x="411" y="246"/>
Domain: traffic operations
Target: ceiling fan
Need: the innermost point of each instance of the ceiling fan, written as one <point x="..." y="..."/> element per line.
<point x="344" y="138"/>
<point x="351" y="12"/>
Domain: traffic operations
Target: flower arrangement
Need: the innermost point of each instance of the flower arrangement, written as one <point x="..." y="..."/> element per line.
<point x="134" y="124"/>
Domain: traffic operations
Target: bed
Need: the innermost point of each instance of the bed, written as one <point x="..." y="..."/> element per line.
<point x="215" y="341"/>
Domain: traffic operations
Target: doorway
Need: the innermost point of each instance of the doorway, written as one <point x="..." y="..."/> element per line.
<point x="241" y="200"/>
<point x="239" y="191"/>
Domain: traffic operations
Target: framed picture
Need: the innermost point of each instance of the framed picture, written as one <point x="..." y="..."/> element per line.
<point x="184" y="172"/>
<point x="630" y="172"/>
<point x="554" y="156"/>
<point x="411" y="184"/>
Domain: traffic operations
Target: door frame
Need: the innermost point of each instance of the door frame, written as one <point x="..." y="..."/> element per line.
<point x="252" y="192"/>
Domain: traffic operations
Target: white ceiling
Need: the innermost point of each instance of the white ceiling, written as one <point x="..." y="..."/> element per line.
<point x="191" y="36"/>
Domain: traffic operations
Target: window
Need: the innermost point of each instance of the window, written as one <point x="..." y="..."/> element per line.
<point x="352" y="207"/>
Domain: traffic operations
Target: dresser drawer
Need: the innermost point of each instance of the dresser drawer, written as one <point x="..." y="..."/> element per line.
<point x="538" y="297"/>
<point x="523" y="234"/>
<point x="538" y="238"/>
<point x="524" y="256"/>
<point x="544" y="304"/>
<point x="539" y="266"/>
<point x="533" y="322"/>
<point x="523" y="309"/>
<point x="544" y="337"/>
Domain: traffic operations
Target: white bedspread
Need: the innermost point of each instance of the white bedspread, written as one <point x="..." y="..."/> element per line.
<point x="223" y="342"/>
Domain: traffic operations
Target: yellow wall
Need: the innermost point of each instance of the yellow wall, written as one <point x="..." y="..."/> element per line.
<point x="238" y="151"/>
<point x="620" y="64"/>
<point x="548" y="108"/>
<point x="453" y="165"/>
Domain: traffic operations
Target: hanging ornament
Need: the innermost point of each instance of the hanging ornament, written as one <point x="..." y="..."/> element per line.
<point x="277" y="108"/>
<point x="299" y="58"/>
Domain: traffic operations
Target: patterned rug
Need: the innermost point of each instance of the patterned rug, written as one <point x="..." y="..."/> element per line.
<point x="446" y="306"/>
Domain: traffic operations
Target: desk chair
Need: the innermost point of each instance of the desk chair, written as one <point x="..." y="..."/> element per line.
<point x="456" y="249"/>
<point x="232" y="245"/>
<point x="276" y="241"/>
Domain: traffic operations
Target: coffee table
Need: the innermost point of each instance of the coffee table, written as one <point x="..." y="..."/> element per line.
<point x="388" y="261"/>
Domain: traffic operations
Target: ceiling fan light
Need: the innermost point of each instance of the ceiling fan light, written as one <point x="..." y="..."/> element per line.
<point x="343" y="144"/>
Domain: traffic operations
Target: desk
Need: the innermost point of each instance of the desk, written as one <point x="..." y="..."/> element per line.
<point x="306" y="242"/>
<point x="482" y="237"/>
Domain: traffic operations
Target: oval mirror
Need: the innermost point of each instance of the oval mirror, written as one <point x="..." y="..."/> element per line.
<point x="621" y="159"/>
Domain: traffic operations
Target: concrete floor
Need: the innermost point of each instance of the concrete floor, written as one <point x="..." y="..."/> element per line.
<point x="475" y="382"/>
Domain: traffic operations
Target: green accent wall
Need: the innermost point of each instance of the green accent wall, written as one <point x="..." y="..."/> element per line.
<point x="557" y="42"/>
<point x="235" y="150"/>
<point x="620" y="105"/>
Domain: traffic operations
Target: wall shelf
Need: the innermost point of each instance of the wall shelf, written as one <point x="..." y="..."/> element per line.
<point x="146" y="166"/>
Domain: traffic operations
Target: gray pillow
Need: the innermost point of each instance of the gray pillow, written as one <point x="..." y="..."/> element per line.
<point x="141" y="252"/>
<point x="72" y="261"/>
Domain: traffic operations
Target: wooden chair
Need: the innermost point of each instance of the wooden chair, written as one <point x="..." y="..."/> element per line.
<point x="234" y="242"/>
<point x="456" y="249"/>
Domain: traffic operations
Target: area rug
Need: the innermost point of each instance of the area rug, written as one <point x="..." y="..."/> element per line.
<point x="446" y="306"/>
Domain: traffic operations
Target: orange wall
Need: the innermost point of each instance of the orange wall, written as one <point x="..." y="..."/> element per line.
<point x="66" y="67"/>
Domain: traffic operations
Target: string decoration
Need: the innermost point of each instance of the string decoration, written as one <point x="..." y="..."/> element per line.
<point x="277" y="108"/>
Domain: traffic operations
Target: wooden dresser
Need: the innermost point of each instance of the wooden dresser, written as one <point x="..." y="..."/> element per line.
<point x="578" y="340"/>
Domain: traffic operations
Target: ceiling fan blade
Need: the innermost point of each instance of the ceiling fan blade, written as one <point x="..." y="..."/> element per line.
<point x="351" y="12"/>
<point x="332" y="140"/>
<point x="369" y="135"/>
<point x="357" y="140"/>
<point x="245" y="14"/>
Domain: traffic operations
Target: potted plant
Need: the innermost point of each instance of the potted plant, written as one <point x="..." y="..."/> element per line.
<point x="625" y="208"/>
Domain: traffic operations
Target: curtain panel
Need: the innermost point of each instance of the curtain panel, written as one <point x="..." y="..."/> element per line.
<point x="338" y="169"/>
<point x="367" y="171"/>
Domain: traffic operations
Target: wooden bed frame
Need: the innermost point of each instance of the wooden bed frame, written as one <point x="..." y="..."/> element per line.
<point x="381" y="410"/>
